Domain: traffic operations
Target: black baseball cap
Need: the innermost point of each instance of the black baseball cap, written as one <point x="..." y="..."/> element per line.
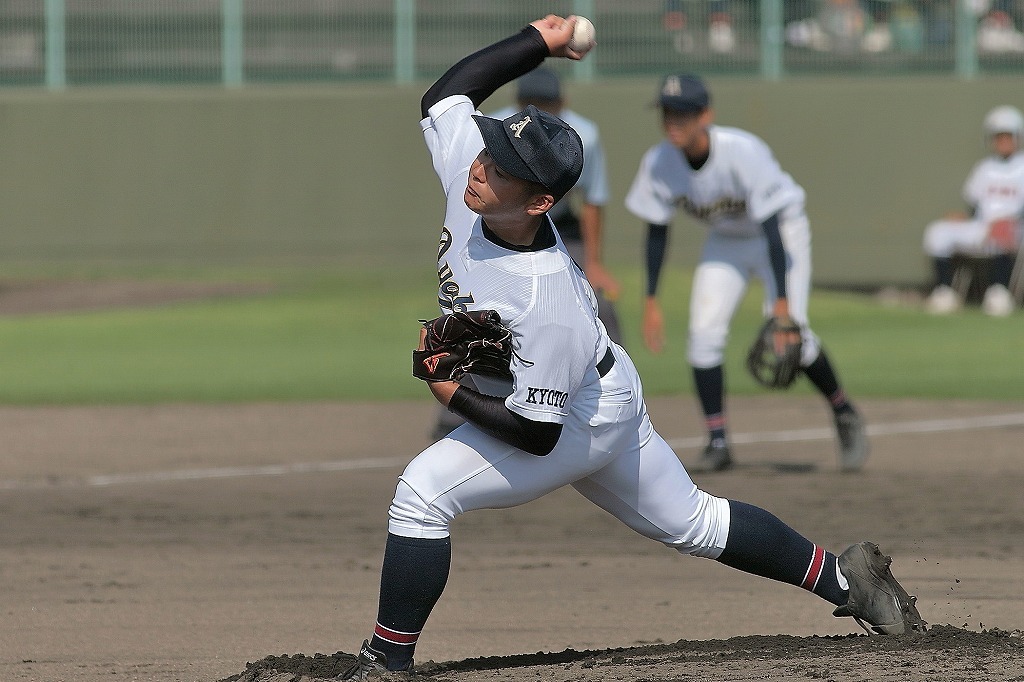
<point x="536" y="146"/>
<point x="683" y="92"/>
<point x="540" y="84"/>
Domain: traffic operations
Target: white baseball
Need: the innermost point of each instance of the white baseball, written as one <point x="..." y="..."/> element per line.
<point x="582" y="36"/>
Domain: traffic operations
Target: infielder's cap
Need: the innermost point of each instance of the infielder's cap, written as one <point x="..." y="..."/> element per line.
<point x="540" y="84"/>
<point x="536" y="146"/>
<point x="683" y="92"/>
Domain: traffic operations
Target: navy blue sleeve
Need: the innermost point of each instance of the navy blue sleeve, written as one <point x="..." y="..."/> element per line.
<point x="481" y="73"/>
<point x="657" y="242"/>
<point x="490" y="414"/>
<point x="776" y="253"/>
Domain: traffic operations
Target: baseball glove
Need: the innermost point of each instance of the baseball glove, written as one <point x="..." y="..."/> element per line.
<point x="774" y="357"/>
<point x="1002" y="234"/>
<point x="474" y="342"/>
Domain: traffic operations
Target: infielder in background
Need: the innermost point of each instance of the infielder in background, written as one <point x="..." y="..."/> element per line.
<point x="729" y="180"/>
<point x="573" y="413"/>
<point x="579" y="216"/>
<point x="991" y="228"/>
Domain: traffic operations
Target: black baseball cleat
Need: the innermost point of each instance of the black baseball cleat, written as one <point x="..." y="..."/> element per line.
<point x="875" y="595"/>
<point x="368" y="662"/>
<point x="853" y="441"/>
<point x="716" y="457"/>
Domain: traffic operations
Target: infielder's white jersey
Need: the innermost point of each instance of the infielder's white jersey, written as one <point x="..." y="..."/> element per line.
<point x="541" y="295"/>
<point x="592" y="186"/>
<point x="739" y="186"/>
<point x="995" y="188"/>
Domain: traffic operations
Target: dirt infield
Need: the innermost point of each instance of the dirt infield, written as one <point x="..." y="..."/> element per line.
<point x="209" y="543"/>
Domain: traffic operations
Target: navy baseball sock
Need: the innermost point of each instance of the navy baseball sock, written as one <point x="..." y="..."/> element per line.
<point x="761" y="544"/>
<point x="824" y="378"/>
<point x="710" y="383"/>
<point x="1002" y="268"/>
<point x="413" y="576"/>
<point x="943" y="271"/>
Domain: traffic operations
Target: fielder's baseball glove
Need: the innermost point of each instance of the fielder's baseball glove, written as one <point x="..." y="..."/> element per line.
<point x="774" y="358"/>
<point x="1002" y="234"/>
<point x="461" y="343"/>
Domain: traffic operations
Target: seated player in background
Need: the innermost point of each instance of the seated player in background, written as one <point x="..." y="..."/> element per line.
<point x="991" y="226"/>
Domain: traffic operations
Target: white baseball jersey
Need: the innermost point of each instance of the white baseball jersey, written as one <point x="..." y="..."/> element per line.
<point x="995" y="188"/>
<point x="739" y="186"/>
<point x="592" y="187"/>
<point x="476" y="273"/>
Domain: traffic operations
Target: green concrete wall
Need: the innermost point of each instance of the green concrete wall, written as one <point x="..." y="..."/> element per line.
<point x="340" y="174"/>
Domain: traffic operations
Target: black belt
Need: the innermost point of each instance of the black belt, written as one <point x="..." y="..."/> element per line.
<point x="607" y="362"/>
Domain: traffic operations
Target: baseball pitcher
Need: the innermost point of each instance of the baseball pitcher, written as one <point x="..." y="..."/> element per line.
<point x="573" y="411"/>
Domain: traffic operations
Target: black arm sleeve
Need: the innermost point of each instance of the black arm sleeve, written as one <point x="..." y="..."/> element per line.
<point x="481" y="73"/>
<point x="490" y="414"/>
<point x="657" y="241"/>
<point x="776" y="253"/>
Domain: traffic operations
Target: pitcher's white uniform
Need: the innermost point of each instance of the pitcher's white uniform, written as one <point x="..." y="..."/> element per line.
<point x="608" y="450"/>
<point x="740" y="185"/>
<point x="995" y="189"/>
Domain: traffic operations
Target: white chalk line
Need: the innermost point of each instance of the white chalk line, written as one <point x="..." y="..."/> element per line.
<point x="993" y="421"/>
<point x="104" y="480"/>
<point x="990" y="421"/>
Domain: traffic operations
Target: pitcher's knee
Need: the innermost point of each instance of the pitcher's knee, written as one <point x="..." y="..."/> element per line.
<point x="412" y="516"/>
<point x="708" y="529"/>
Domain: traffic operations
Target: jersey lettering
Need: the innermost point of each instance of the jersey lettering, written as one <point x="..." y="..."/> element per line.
<point x="546" y="396"/>
<point x="725" y="206"/>
<point x="446" y="243"/>
<point x="449" y="294"/>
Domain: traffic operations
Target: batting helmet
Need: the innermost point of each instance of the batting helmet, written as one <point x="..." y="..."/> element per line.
<point x="1004" y="119"/>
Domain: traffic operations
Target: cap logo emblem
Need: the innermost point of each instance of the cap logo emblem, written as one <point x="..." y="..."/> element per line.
<point x="672" y="87"/>
<point x="518" y="126"/>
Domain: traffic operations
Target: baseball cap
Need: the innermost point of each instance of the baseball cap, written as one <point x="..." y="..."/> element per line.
<point x="683" y="92"/>
<point x="540" y="84"/>
<point x="1004" y="119"/>
<point x="536" y="146"/>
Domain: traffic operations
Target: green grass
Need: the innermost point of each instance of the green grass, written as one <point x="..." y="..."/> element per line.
<point x="324" y="335"/>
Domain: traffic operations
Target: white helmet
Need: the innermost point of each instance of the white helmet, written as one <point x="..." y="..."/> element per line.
<point x="1004" y="119"/>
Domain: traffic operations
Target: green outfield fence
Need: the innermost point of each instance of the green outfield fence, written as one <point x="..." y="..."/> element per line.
<point x="57" y="43"/>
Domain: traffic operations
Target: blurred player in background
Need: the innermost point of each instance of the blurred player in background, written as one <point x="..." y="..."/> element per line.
<point x="991" y="227"/>
<point x="677" y="20"/>
<point x="729" y="180"/>
<point x="579" y="216"/>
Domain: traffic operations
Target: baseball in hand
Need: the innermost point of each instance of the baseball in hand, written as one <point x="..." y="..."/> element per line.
<point x="582" y="36"/>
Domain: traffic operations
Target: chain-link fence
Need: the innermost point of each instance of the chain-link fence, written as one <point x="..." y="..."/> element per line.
<point x="81" y="42"/>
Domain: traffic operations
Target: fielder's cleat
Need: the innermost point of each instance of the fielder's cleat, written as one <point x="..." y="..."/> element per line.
<point x="875" y="596"/>
<point x="368" y="662"/>
<point x="853" y="441"/>
<point x="716" y="457"/>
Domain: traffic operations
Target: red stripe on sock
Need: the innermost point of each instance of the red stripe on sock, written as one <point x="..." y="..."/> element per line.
<point x="394" y="636"/>
<point x="714" y="421"/>
<point x="814" y="570"/>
